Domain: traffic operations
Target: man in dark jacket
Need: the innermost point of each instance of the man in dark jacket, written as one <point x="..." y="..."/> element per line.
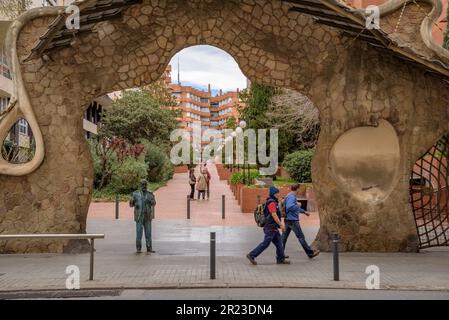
<point x="271" y="230"/>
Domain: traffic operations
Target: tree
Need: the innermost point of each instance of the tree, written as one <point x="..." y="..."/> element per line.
<point x="138" y="116"/>
<point x="231" y="123"/>
<point x="292" y="113"/>
<point x="109" y="155"/>
<point x="297" y="120"/>
<point x="257" y="99"/>
<point x="11" y="9"/>
<point x="158" y="91"/>
<point x="446" y="35"/>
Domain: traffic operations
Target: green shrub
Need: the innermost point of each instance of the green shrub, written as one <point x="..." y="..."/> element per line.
<point x="159" y="165"/>
<point x="236" y="178"/>
<point x="127" y="175"/>
<point x="299" y="165"/>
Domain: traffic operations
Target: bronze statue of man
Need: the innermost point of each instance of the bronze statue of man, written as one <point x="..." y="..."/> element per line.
<point x="143" y="202"/>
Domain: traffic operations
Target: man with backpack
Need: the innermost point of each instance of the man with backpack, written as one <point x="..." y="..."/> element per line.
<point x="292" y="211"/>
<point x="271" y="224"/>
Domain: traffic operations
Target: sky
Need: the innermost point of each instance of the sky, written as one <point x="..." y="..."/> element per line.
<point x="201" y="65"/>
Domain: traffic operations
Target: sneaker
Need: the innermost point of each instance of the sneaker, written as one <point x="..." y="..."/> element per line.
<point x="315" y="253"/>
<point x="251" y="259"/>
<point x="283" y="262"/>
<point x="151" y="251"/>
<point x="139" y="251"/>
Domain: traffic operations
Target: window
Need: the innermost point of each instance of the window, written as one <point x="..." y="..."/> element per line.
<point x="23" y="126"/>
<point x="4" y="101"/>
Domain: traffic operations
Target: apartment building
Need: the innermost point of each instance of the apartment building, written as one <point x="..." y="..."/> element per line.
<point x="201" y="110"/>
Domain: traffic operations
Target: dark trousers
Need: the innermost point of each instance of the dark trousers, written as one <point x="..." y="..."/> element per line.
<point x="192" y="191"/>
<point x="201" y="192"/>
<point x="272" y="235"/>
<point x="296" y="228"/>
<point x="208" y="190"/>
<point x="144" y="228"/>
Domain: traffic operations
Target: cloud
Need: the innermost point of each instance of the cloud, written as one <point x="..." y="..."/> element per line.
<point x="201" y="65"/>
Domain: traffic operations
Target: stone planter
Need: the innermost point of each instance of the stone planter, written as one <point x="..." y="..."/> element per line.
<point x="311" y="204"/>
<point x="181" y="169"/>
<point x="248" y="197"/>
<point x="223" y="173"/>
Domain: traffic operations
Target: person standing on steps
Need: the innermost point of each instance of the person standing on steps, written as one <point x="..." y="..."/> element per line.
<point x="208" y="178"/>
<point x="192" y="182"/>
<point x="143" y="202"/>
<point x="201" y="186"/>
<point x="271" y="230"/>
<point x="293" y="210"/>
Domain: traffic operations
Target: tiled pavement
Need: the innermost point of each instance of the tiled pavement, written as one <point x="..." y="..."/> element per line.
<point x="172" y="204"/>
<point x="182" y="260"/>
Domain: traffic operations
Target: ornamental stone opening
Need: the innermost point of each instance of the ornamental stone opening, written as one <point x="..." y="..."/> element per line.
<point x="382" y="87"/>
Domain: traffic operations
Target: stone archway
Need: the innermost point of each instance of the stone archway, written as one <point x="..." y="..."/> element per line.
<point x="275" y="43"/>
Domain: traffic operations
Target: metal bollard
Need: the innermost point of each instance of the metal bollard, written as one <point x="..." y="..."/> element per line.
<point x="188" y="207"/>
<point x="335" y="240"/>
<point x="223" y="208"/>
<point x="117" y="206"/>
<point x="212" y="254"/>
<point x="91" y="267"/>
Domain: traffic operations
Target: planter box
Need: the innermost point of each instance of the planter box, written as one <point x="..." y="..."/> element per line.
<point x="223" y="173"/>
<point x="238" y="192"/>
<point x="248" y="197"/>
<point x="181" y="169"/>
<point x="282" y="173"/>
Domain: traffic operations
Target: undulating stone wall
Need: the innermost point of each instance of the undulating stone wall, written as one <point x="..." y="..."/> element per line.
<point x="351" y="84"/>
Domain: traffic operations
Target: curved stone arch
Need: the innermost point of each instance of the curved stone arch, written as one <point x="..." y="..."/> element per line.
<point x="351" y="85"/>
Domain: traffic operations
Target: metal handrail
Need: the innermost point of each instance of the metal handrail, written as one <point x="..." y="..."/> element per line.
<point x="34" y="236"/>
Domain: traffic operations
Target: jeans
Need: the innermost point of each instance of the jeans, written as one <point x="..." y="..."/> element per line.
<point x="140" y="227"/>
<point x="294" y="225"/>
<point x="202" y="192"/>
<point x="192" y="191"/>
<point x="272" y="235"/>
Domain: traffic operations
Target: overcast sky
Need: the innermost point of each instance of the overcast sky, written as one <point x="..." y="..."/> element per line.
<point x="201" y="65"/>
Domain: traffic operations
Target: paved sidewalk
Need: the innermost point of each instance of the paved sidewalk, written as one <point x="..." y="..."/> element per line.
<point x="182" y="261"/>
<point x="172" y="204"/>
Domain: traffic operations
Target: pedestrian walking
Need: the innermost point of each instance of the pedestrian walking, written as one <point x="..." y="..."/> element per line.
<point x="192" y="182"/>
<point x="292" y="211"/>
<point x="271" y="227"/>
<point x="201" y="186"/>
<point x="143" y="202"/>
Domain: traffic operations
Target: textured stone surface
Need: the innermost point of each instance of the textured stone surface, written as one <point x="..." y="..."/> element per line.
<point x="352" y="86"/>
